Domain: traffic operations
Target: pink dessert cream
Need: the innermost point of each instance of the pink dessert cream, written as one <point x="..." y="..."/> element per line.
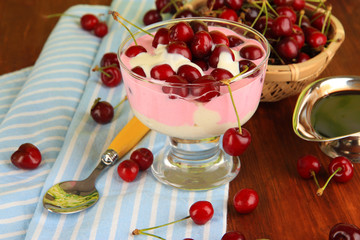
<point x="194" y="110"/>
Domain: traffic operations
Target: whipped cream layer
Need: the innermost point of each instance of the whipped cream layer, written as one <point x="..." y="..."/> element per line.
<point x="188" y="118"/>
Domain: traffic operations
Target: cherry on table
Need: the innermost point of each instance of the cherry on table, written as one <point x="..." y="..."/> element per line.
<point x="246" y="200"/>
<point x="201" y="212"/>
<point x="27" y="156"/>
<point x="108" y="59"/>
<point x="235" y="143"/>
<point x="233" y="235"/>
<point x="201" y="44"/>
<point x="128" y="170"/>
<point x="152" y="16"/>
<point x="88" y="21"/>
<point x="102" y="112"/>
<point x="143" y="157"/>
<point x="100" y="29"/>
<point x="308" y="166"/>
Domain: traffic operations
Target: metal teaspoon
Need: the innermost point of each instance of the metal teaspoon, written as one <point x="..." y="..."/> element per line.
<point x="75" y="196"/>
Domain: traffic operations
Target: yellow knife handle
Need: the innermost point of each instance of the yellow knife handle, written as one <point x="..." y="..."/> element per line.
<point x="128" y="137"/>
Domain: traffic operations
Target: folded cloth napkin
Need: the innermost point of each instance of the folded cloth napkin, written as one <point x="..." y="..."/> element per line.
<point x="49" y="106"/>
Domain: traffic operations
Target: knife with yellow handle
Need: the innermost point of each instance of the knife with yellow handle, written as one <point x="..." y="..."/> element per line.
<point x="75" y="196"/>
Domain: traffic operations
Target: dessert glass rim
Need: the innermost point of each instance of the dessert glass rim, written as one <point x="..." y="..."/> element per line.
<point x="264" y="42"/>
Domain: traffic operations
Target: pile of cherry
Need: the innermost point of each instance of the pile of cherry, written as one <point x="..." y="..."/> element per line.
<point x="194" y="41"/>
<point x="295" y="35"/>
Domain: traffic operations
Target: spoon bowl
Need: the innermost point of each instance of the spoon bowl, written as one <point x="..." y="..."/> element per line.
<point x="75" y="196"/>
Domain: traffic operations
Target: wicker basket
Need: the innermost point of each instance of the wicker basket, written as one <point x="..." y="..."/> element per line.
<point x="287" y="80"/>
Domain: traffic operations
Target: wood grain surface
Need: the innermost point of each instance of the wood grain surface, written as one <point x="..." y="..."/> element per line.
<point x="289" y="208"/>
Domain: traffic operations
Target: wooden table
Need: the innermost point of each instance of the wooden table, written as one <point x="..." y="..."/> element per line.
<point x="289" y="207"/>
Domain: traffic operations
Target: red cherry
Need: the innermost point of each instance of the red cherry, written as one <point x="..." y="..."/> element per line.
<point x="202" y="64"/>
<point x="263" y="23"/>
<point x="298" y="5"/>
<point x="185" y="13"/>
<point x="287" y="11"/>
<point x="229" y="14"/>
<point x="139" y="71"/>
<point x="308" y="166"/>
<point x="161" y="37"/>
<point x="215" y="55"/>
<point x="246" y="200"/>
<point x="114" y="79"/>
<point x="27" y="156"/>
<point x="102" y="112"/>
<point x="234" y="4"/>
<point x="215" y="4"/>
<point x="179" y="47"/>
<point x="161" y="4"/>
<point x="282" y="26"/>
<point x="248" y="66"/>
<point x="181" y="31"/>
<point x="235" y="143"/>
<point x="177" y="87"/>
<point x="161" y="72"/>
<point x="317" y="39"/>
<point x="234" y="41"/>
<point x="100" y="29"/>
<point x="201" y="212"/>
<point x="219" y="37"/>
<point x="134" y="50"/>
<point x="221" y="74"/>
<point x="345" y="173"/>
<point x="298" y="36"/>
<point x="128" y="170"/>
<point x="344" y="231"/>
<point x="152" y="16"/>
<point x="251" y="52"/>
<point x="198" y="26"/>
<point x="188" y="72"/>
<point x="317" y="20"/>
<point x="143" y="157"/>
<point x="302" y="57"/>
<point x="108" y="59"/>
<point x="287" y="48"/>
<point x="283" y="2"/>
<point x="88" y="21"/>
<point x="201" y="44"/>
<point x="251" y="13"/>
<point x="205" y="88"/>
<point x="233" y="235"/>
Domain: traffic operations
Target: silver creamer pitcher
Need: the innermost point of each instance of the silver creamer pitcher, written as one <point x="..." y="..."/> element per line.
<point x="347" y="145"/>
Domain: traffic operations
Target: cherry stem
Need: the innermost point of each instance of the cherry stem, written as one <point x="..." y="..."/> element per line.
<point x="315" y="179"/>
<point x="116" y="15"/>
<point x="301" y="16"/>
<point x="101" y="69"/>
<point x="141" y="231"/>
<point x="227" y="83"/>
<point x="61" y="14"/>
<point x="138" y="232"/>
<point x="121" y="102"/>
<point x="327" y="19"/>
<point x="320" y="191"/>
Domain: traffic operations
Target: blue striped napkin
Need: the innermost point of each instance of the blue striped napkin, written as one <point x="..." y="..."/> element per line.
<point x="48" y="105"/>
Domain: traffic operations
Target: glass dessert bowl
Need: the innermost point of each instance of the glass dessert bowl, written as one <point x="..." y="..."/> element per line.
<point x="195" y="109"/>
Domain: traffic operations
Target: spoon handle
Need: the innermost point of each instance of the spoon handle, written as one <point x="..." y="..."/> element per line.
<point x="125" y="140"/>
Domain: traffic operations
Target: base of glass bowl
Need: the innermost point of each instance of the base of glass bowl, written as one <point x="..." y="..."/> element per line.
<point x="195" y="164"/>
